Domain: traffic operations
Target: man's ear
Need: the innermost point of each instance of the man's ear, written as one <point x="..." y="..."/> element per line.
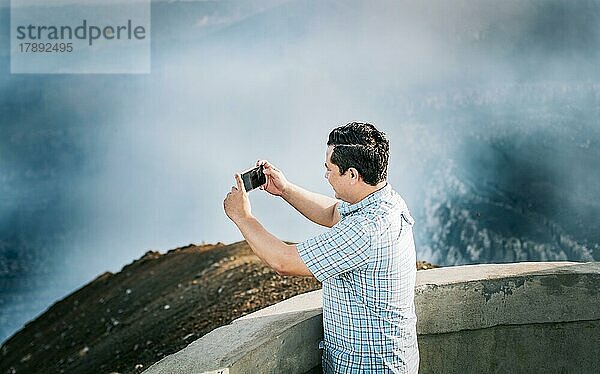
<point x="354" y="175"/>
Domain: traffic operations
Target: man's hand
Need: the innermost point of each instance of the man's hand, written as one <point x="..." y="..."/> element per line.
<point x="237" y="203"/>
<point x="276" y="182"/>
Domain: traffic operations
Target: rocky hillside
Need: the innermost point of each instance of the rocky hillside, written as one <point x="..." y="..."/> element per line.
<point x="154" y="306"/>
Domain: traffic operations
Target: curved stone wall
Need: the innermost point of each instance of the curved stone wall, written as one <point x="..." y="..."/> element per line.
<point x="515" y="318"/>
<point x="522" y="317"/>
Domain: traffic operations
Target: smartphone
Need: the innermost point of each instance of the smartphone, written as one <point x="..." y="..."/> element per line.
<point x="254" y="178"/>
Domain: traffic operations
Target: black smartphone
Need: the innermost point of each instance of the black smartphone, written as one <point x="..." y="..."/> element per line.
<point x="254" y="178"/>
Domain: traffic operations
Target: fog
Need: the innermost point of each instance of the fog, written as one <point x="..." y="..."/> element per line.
<point x="491" y="109"/>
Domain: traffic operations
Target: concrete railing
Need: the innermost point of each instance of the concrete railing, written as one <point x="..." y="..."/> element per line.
<point x="523" y="317"/>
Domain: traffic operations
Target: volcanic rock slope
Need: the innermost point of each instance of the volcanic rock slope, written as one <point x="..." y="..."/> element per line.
<point x="155" y="306"/>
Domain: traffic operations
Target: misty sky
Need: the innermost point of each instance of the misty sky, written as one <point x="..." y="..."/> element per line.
<point x="491" y="109"/>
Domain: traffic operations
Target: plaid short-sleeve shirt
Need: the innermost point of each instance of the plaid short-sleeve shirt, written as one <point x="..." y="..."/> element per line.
<point x="366" y="263"/>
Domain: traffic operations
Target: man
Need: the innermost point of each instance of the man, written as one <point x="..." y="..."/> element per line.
<point x="366" y="260"/>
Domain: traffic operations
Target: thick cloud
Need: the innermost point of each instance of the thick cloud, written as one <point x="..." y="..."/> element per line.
<point x="491" y="109"/>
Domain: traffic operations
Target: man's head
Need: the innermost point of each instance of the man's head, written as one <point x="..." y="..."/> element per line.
<point x="361" y="154"/>
<point x="362" y="147"/>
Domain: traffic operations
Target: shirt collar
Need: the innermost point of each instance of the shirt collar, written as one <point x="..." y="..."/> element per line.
<point x="345" y="208"/>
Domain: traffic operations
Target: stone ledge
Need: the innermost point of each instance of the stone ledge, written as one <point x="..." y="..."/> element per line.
<point x="470" y="304"/>
<point x="281" y="338"/>
<point x="479" y="296"/>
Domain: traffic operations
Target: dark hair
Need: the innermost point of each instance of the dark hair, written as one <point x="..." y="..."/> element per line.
<point x="361" y="146"/>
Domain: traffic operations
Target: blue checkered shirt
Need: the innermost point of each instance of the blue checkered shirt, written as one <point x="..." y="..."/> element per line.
<point x="366" y="263"/>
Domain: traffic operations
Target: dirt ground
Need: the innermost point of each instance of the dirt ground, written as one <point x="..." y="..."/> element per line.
<point x="153" y="307"/>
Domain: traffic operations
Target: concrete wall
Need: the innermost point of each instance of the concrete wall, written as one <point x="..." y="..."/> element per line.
<point x="523" y="317"/>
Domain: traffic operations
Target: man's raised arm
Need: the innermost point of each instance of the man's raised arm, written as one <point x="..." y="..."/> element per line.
<point x="318" y="208"/>
<point x="283" y="258"/>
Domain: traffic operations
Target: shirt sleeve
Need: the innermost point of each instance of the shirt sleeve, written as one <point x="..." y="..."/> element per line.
<point x="343" y="247"/>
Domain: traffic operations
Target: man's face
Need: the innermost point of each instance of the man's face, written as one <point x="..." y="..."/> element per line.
<point x="332" y="174"/>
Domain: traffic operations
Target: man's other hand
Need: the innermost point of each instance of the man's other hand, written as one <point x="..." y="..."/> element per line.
<point x="237" y="203"/>
<point x="276" y="182"/>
